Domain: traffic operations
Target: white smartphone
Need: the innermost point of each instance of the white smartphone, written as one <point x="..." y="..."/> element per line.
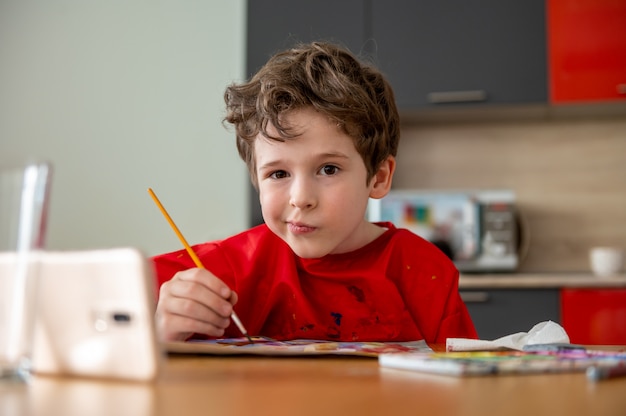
<point x="95" y="315"/>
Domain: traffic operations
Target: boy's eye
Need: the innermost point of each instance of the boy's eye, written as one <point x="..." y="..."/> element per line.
<point x="329" y="170"/>
<point x="279" y="174"/>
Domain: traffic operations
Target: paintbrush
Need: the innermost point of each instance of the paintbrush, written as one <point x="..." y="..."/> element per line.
<point x="193" y="256"/>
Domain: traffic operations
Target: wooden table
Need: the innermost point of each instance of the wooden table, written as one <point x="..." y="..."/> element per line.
<point x="201" y="385"/>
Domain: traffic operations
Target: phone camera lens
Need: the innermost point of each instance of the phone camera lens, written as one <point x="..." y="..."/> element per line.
<point x="121" y="317"/>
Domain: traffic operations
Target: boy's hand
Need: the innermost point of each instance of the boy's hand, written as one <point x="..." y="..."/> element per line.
<point x="193" y="301"/>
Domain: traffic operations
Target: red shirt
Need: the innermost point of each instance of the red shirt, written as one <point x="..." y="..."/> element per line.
<point x="399" y="287"/>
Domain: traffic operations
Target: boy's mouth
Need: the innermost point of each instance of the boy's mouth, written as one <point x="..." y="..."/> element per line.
<point x="299" y="228"/>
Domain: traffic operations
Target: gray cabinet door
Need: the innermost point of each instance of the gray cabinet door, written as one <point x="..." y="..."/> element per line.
<point x="462" y="51"/>
<point x="274" y="25"/>
<point x="497" y="313"/>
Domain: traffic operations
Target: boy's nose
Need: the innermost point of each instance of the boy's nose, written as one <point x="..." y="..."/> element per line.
<point x="302" y="194"/>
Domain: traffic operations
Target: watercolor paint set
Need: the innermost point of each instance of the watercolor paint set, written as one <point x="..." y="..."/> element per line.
<point x="480" y="363"/>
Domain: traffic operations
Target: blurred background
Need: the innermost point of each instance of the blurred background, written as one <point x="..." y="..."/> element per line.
<point x="121" y="96"/>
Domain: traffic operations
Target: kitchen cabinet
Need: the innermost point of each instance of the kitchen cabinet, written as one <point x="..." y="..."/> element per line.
<point x="274" y="25"/>
<point x="457" y="52"/>
<point x="594" y="316"/>
<point x="434" y="53"/>
<point x="591" y="310"/>
<point x="500" y="312"/>
<point x="587" y="50"/>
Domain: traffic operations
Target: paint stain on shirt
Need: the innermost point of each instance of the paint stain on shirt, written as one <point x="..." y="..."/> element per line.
<point x="307" y="327"/>
<point x="357" y="293"/>
<point x="333" y="332"/>
<point x="337" y="317"/>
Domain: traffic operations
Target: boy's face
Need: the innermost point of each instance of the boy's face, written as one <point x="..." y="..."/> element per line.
<point x="313" y="189"/>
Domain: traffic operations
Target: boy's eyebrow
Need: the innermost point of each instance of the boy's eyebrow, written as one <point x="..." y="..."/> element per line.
<point x="332" y="155"/>
<point x="269" y="164"/>
<point x="327" y="155"/>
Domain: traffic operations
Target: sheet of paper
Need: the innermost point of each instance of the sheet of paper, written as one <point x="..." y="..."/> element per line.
<point x="303" y="347"/>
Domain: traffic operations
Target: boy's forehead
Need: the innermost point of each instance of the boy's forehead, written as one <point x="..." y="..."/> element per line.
<point x="298" y="120"/>
<point x="310" y="131"/>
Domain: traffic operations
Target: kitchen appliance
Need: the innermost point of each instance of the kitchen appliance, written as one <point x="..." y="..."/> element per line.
<point x="478" y="229"/>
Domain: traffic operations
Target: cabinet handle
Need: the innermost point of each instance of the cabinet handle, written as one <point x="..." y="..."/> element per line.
<point x="445" y="97"/>
<point x="474" y="297"/>
<point x="621" y="88"/>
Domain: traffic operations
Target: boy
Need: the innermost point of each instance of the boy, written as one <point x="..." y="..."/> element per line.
<point x="319" y="132"/>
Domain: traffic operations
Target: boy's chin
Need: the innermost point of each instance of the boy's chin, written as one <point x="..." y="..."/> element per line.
<point x="308" y="252"/>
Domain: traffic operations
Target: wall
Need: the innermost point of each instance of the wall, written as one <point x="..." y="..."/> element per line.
<point x="121" y="96"/>
<point x="569" y="175"/>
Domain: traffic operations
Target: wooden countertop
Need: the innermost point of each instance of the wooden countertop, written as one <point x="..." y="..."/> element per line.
<point x="198" y="385"/>
<point x="539" y="281"/>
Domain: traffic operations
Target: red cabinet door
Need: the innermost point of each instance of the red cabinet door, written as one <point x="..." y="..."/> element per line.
<point x="586" y="50"/>
<point x="594" y="316"/>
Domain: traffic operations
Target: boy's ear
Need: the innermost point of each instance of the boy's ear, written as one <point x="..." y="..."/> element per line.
<point x="381" y="182"/>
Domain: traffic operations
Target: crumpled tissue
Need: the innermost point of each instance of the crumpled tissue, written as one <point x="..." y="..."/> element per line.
<point x="547" y="332"/>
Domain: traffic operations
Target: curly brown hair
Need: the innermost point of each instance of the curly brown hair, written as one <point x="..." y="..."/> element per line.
<point x="329" y="79"/>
